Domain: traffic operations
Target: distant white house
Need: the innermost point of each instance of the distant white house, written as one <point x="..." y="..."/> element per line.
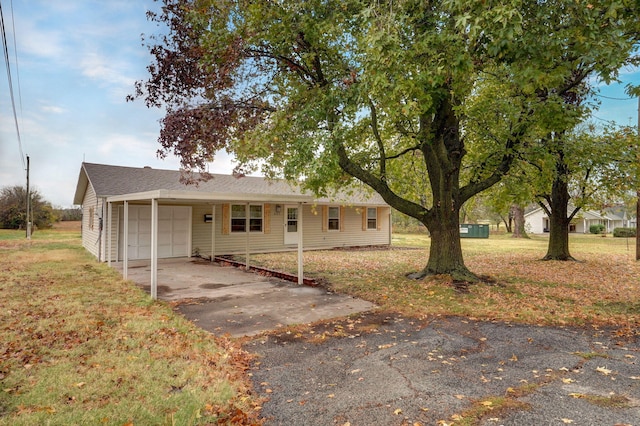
<point x="537" y="221"/>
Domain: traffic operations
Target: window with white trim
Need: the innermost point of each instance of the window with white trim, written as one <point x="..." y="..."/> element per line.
<point x="334" y="219"/>
<point x="372" y="218"/>
<point x="255" y="218"/>
<point x="239" y="218"/>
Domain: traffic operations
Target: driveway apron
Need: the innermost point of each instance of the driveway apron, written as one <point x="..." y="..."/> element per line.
<point x="228" y="300"/>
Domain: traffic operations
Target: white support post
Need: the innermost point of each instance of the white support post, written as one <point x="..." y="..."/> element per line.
<point x="154" y="248"/>
<point x="247" y="215"/>
<point x="109" y="213"/>
<point x="300" y="239"/>
<point x="125" y="247"/>
<point x="213" y="232"/>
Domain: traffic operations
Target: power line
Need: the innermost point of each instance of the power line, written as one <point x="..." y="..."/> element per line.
<point x="613" y="99"/>
<point x="15" y="55"/>
<point x="8" y="66"/>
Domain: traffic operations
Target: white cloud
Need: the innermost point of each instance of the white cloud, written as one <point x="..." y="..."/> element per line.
<point x="52" y="109"/>
<point x="104" y="69"/>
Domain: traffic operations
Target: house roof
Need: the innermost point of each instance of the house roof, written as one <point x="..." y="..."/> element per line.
<point x="119" y="183"/>
<point x="586" y="214"/>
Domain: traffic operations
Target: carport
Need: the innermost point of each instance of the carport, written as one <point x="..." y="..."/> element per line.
<point x="161" y="197"/>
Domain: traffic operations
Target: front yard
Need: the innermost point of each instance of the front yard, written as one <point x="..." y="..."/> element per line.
<point x="81" y="346"/>
<point x="603" y="288"/>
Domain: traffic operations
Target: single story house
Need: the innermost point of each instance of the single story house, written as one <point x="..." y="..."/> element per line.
<point x="143" y="213"/>
<point x="537" y="221"/>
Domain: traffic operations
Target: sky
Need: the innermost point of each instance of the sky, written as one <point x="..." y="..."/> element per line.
<point x="77" y="60"/>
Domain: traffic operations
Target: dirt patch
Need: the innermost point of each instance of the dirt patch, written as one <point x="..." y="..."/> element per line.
<point x="68" y="225"/>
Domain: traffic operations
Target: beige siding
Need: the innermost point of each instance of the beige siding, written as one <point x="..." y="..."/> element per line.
<point x="315" y="235"/>
<point x="115" y="215"/>
<point x="91" y="213"/>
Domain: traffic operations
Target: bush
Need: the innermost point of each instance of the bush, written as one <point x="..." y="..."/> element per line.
<point x="597" y="229"/>
<point x="624" y="232"/>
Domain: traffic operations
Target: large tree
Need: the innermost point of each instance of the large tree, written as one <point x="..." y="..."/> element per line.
<point x="13" y="209"/>
<point x="590" y="168"/>
<point x="325" y="91"/>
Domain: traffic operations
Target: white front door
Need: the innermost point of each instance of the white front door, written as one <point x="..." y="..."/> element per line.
<point x="291" y="224"/>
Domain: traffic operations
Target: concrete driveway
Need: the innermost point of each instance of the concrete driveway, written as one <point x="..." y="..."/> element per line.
<point x="228" y="300"/>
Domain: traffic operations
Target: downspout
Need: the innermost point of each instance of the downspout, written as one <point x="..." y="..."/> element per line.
<point x="390" y="225"/>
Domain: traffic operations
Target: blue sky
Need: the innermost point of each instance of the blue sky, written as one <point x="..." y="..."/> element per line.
<point x="77" y="61"/>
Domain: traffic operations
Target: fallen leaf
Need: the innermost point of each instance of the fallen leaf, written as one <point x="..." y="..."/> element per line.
<point x="603" y="370"/>
<point x="331" y="395"/>
<point x="459" y="396"/>
<point x="387" y="346"/>
<point x="397" y="411"/>
<point x="567" y="380"/>
<point x="514" y="358"/>
<point x="567" y="421"/>
<point x="487" y="403"/>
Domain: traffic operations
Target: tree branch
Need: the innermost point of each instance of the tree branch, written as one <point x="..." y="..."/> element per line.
<point x="376" y="135"/>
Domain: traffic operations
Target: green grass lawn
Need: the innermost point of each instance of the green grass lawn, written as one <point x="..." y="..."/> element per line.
<point x="80" y="346"/>
<point x="602" y="288"/>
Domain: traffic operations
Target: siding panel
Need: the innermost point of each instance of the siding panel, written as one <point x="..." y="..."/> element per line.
<point x="314" y="235"/>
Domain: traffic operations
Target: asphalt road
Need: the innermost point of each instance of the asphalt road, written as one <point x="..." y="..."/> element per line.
<point x="377" y="369"/>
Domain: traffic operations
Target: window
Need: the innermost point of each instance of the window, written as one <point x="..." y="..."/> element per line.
<point x="372" y="218"/>
<point x="239" y="218"/>
<point x="334" y="218"/>
<point x="91" y="214"/>
<point x="255" y="218"/>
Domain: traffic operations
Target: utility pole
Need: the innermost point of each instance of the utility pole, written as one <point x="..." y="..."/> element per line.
<point x="28" y="204"/>
<point x="638" y="187"/>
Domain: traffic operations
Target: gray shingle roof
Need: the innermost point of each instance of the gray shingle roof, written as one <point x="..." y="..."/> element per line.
<point x="108" y="180"/>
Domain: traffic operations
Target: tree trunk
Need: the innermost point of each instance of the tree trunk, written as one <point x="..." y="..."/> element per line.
<point x="507" y="222"/>
<point x="518" y="222"/>
<point x="445" y="252"/>
<point x="558" y="248"/>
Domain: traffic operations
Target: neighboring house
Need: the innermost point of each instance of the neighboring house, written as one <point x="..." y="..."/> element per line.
<point x="225" y="215"/>
<point x="537" y="221"/>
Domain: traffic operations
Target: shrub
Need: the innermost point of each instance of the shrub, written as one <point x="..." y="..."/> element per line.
<point x="596" y="229"/>
<point x="624" y="232"/>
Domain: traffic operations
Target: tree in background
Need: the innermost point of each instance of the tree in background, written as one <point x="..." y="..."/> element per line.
<point x="590" y="169"/>
<point x="13" y="209"/>
<point x="387" y="93"/>
<point x="72" y="214"/>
